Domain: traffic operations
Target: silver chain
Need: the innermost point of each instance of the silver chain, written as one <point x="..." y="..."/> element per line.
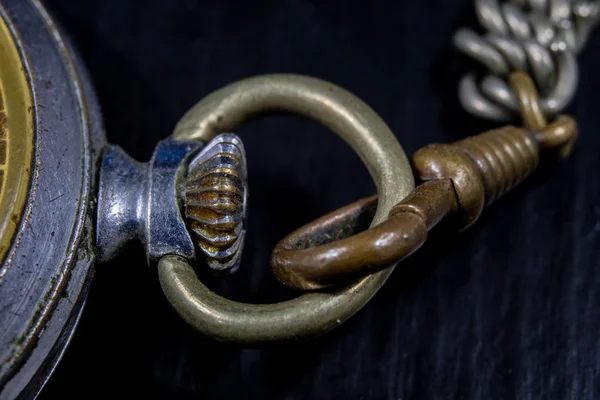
<point x="541" y="37"/>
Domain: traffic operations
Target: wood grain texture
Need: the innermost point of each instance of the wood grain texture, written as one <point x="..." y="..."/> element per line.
<point x="509" y="309"/>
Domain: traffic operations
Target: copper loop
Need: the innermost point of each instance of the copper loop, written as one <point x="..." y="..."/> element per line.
<point x="459" y="179"/>
<point x="560" y="134"/>
<point x="528" y="100"/>
<point x="370" y="251"/>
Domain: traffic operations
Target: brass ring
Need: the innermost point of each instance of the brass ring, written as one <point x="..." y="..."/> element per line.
<point x="528" y="100"/>
<point x="310" y="314"/>
<point x="560" y="134"/>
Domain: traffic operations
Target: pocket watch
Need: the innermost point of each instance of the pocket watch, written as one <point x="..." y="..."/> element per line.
<point x="69" y="200"/>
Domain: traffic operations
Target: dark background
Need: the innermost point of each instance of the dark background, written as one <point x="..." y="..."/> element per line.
<point x="509" y="309"/>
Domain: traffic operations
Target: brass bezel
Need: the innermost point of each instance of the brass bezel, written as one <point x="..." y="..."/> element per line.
<point x="17" y="136"/>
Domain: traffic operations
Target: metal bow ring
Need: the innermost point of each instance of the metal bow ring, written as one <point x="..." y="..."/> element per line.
<point x="310" y="314"/>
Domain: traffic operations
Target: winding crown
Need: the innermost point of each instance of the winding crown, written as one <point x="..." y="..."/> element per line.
<point x="215" y="201"/>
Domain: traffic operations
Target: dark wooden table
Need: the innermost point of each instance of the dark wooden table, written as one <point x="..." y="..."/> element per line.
<point x="507" y="310"/>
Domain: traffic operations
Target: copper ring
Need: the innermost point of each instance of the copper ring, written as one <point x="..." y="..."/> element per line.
<point x="560" y="134"/>
<point x="323" y="254"/>
<point x="528" y="100"/>
<point x="310" y="314"/>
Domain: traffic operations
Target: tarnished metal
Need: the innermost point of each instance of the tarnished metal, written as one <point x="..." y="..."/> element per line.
<point x="320" y="254"/>
<point x="541" y="39"/>
<point x="504" y="158"/>
<point x="310" y="314"/>
<point x="528" y="100"/>
<point x="195" y="186"/>
<point x="459" y="180"/>
<point x="48" y="263"/>
<point x="141" y="201"/>
<point x="560" y="134"/>
<point x="215" y="201"/>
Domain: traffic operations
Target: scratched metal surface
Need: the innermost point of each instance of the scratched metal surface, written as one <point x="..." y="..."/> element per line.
<point x="509" y="309"/>
<point x="35" y="316"/>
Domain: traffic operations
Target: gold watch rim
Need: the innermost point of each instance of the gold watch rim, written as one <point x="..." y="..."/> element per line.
<point x="17" y="137"/>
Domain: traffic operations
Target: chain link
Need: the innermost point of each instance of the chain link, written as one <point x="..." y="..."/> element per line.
<point x="541" y="37"/>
